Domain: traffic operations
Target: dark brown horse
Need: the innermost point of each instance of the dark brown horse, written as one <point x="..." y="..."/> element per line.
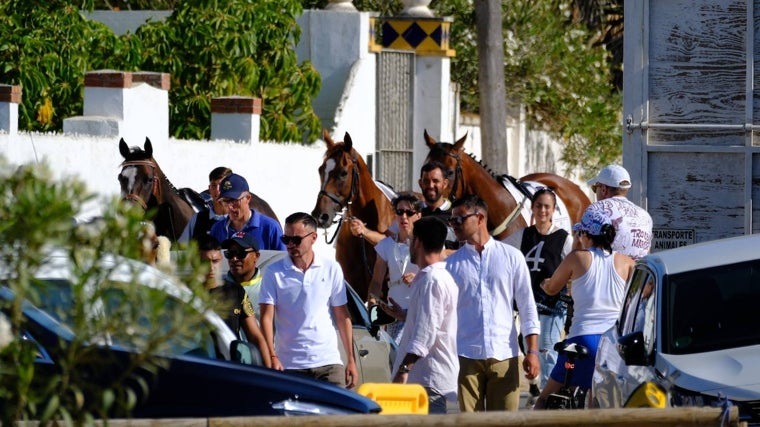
<point x="348" y="190"/>
<point x="143" y="182"/>
<point x="468" y="176"/>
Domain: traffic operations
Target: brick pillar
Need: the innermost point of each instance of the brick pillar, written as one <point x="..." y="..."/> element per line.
<point x="237" y="118"/>
<point x="10" y="97"/>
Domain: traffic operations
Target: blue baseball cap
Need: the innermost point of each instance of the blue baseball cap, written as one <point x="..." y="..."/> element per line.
<point x="233" y="186"/>
<point x="244" y="240"/>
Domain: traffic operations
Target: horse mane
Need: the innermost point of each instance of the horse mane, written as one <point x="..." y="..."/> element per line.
<point x="441" y="145"/>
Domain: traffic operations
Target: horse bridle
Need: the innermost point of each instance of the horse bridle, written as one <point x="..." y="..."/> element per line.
<point x="346" y="202"/>
<point x="132" y="197"/>
<point x="452" y="196"/>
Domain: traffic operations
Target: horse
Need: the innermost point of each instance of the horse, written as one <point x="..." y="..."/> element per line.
<point x="469" y="176"/>
<point x="144" y="183"/>
<point x="348" y="190"/>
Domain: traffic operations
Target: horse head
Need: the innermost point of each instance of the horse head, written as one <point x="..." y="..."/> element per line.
<point x="138" y="177"/>
<point x="339" y="177"/>
<point x="450" y="156"/>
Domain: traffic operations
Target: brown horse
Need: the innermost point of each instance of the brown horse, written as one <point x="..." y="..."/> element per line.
<point x="348" y="190"/>
<point x="468" y="176"/>
<point x="143" y="182"/>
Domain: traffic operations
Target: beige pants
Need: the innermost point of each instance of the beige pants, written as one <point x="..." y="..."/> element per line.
<point x="489" y="385"/>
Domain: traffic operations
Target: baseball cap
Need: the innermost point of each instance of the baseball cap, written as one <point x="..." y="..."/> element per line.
<point x="233" y="186"/>
<point x="592" y="221"/>
<point x="242" y="239"/>
<point x="612" y="176"/>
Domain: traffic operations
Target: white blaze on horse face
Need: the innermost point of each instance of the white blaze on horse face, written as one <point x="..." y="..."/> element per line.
<point x="130" y="174"/>
<point x="329" y="166"/>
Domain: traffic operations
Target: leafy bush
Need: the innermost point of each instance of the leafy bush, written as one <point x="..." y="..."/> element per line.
<point x="36" y="214"/>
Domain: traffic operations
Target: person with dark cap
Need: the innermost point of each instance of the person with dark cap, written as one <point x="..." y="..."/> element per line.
<point x="201" y="222"/>
<point x="234" y="194"/>
<point x="232" y="302"/>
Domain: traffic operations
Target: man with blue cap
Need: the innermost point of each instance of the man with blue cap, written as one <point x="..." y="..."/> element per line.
<point x="241" y="217"/>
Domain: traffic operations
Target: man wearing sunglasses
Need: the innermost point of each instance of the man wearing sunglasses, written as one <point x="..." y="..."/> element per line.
<point x="234" y="194"/>
<point x="633" y="225"/>
<point x="492" y="276"/>
<point x="299" y="296"/>
<point x="231" y="299"/>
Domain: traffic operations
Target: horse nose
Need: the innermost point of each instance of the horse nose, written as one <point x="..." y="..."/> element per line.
<point x="323" y="219"/>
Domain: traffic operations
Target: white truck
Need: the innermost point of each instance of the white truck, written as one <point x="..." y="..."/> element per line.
<point x="691" y="111"/>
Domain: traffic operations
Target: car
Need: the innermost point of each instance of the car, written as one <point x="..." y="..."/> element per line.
<point x="203" y="378"/>
<point x="686" y="325"/>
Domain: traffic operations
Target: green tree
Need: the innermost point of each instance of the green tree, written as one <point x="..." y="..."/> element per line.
<point x="210" y="49"/>
<point x="36" y="214"/>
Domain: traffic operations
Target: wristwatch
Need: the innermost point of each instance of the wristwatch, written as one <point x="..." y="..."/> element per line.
<point x="403" y="369"/>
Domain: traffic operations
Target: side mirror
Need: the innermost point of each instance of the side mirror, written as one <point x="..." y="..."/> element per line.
<point x="245" y="353"/>
<point x="632" y="349"/>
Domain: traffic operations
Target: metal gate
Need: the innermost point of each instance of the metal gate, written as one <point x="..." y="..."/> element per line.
<point x="395" y="102"/>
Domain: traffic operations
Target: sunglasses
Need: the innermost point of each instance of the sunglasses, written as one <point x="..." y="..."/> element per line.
<point x="459" y="220"/>
<point x="233" y="202"/>
<point x="595" y="187"/>
<point x="296" y="240"/>
<point x="237" y="254"/>
<point x="408" y="212"/>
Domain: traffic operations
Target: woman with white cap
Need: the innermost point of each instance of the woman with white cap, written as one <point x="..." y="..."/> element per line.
<point x="598" y="276"/>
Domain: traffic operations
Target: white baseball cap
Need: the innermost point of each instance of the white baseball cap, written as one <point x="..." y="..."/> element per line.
<point x="612" y="176"/>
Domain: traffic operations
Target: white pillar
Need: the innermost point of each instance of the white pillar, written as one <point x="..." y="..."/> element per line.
<point x="237" y="118"/>
<point x="125" y="105"/>
<point x="10" y="97"/>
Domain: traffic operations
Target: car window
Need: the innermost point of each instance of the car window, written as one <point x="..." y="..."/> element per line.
<point x="631" y="301"/>
<point x="55" y="298"/>
<point x="707" y="310"/>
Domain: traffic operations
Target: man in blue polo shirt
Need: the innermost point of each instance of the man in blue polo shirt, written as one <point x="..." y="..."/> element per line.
<point x="235" y="195"/>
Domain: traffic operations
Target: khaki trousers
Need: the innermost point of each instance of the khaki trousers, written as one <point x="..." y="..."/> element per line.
<point x="489" y="385"/>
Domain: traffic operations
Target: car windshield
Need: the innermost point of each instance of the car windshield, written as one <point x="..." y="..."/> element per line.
<point x="55" y="297"/>
<point x="709" y="309"/>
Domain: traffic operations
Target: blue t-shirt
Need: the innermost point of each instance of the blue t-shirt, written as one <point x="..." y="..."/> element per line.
<point x="265" y="229"/>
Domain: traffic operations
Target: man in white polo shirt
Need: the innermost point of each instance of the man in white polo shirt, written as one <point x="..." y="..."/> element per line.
<point x="632" y="223"/>
<point x="297" y="295"/>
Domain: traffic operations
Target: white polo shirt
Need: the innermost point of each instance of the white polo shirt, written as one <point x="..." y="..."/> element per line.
<point x="304" y="329"/>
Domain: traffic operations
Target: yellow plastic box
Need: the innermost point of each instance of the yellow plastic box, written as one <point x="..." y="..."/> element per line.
<point x="397" y="398"/>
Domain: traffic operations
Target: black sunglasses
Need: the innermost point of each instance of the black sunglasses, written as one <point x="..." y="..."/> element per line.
<point x="237" y="254"/>
<point x="296" y="240"/>
<point x="408" y="212"/>
<point x="459" y="220"/>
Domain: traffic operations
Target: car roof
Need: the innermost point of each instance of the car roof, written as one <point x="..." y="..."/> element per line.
<point x="706" y="254"/>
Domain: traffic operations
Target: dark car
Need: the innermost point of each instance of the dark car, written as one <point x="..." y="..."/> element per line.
<point x="199" y="379"/>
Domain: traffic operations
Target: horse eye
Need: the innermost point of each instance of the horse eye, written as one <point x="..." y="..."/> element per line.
<point x="343" y="173"/>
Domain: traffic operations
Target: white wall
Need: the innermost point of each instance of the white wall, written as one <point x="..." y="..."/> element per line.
<point x="285" y="175"/>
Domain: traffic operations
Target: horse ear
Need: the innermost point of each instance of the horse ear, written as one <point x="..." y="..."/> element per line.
<point x="347" y="142"/>
<point x="148" y="147"/>
<point x="460" y="142"/>
<point x="328" y="140"/>
<point x="123" y="148"/>
<point x="429" y="140"/>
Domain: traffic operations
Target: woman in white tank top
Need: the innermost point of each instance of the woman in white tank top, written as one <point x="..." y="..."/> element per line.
<point x="598" y="278"/>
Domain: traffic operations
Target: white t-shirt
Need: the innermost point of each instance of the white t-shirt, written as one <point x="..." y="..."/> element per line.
<point x="431" y="331"/>
<point x="396" y="256"/>
<point x="304" y="330"/>
<point x="633" y="226"/>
